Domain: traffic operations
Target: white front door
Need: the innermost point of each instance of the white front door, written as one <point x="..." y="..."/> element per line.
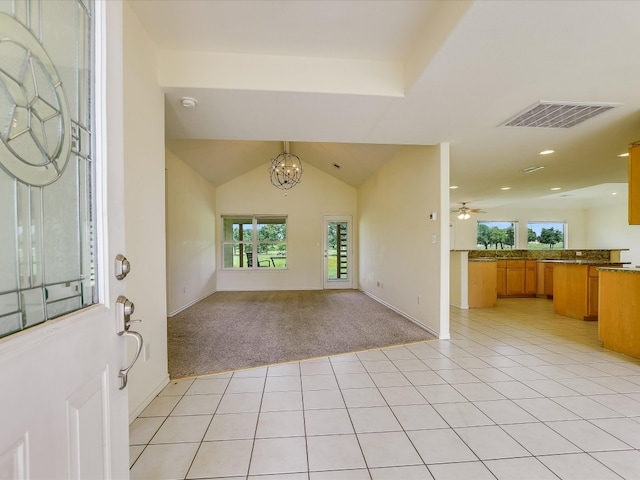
<point x="62" y="411"/>
<point x="337" y="252"/>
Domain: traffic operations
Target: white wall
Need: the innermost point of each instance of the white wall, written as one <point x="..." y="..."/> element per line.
<point x="144" y="209"/>
<point x="318" y="194"/>
<point x="396" y="246"/>
<point x="465" y="230"/>
<point x="608" y="227"/>
<point x="191" y="252"/>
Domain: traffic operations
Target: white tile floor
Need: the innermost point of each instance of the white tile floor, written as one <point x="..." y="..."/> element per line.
<point x="517" y="393"/>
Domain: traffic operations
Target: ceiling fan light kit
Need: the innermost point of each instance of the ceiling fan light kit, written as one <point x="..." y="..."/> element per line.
<point x="464" y="212"/>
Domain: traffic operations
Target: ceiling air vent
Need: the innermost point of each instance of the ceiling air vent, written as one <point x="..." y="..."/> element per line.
<point x="557" y="114"/>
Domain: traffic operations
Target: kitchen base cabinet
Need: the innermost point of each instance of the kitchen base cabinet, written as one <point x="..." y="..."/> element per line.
<point x="570" y="290"/>
<point x="544" y="280"/>
<point x="548" y="279"/>
<point x="576" y="290"/>
<point x="482" y="284"/>
<point x="502" y="278"/>
<point x="619" y="314"/>
<point x="516" y="278"/>
<point x="530" y="277"/>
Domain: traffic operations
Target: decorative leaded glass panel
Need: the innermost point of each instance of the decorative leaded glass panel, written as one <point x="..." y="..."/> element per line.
<point x="47" y="254"/>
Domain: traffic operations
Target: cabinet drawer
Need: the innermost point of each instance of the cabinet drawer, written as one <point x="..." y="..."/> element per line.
<point x="515" y="263"/>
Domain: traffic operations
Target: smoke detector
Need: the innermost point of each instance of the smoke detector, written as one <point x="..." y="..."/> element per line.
<point x="189" y="102"/>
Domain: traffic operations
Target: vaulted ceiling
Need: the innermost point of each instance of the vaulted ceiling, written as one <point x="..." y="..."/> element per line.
<point x="347" y="82"/>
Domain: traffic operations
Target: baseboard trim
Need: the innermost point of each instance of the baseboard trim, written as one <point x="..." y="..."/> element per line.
<point x="400" y="312"/>
<point x="145" y="403"/>
<point x="175" y="312"/>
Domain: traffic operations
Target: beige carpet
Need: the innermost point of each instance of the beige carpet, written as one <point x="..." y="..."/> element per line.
<point x="236" y="330"/>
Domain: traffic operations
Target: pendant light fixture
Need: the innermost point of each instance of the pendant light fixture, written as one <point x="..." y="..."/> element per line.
<point x="286" y="169"/>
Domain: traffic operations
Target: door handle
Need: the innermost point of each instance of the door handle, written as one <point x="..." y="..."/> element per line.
<point x="125" y="309"/>
<point x="124" y="373"/>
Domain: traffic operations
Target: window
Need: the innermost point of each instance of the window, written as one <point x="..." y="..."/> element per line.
<point x="546" y="235"/>
<point x="494" y="235"/>
<point x="251" y="242"/>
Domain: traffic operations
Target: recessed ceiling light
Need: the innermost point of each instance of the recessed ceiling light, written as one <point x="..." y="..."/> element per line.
<point x="555" y="188"/>
<point x="614" y="193"/>
<point x="546" y="152"/>
<point x="453" y="187"/>
<point x="531" y="169"/>
<point x="624" y="154"/>
<point x="505" y="188"/>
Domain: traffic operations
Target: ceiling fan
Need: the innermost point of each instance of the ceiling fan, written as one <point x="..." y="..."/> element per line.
<point x="464" y="212"/>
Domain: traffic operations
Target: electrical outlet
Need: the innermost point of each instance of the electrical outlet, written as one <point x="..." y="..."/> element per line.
<point x="147" y="351"/>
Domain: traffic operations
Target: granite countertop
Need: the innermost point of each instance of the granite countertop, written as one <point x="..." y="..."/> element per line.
<point x="603" y="263"/>
<point x="492" y="258"/>
<point x="635" y="270"/>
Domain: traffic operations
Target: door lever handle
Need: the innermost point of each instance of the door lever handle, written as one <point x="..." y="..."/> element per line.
<point x="129" y="322"/>
<point x="124" y="373"/>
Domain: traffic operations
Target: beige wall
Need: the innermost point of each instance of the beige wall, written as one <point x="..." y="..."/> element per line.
<point x="399" y="264"/>
<point x="191" y="249"/>
<point x="458" y="279"/>
<point x="608" y="227"/>
<point x="144" y="209"/>
<point x="305" y="205"/>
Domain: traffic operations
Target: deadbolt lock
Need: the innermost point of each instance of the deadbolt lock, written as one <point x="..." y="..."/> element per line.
<point x="122" y="266"/>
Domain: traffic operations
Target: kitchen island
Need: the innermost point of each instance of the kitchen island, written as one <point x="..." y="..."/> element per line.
<point x="576" y="287"/>
<point x="518" y="273"/>
<point x="619" y="311"/>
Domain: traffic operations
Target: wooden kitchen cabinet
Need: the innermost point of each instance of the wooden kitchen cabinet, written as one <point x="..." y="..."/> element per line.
<point x="634" y="184"/>
<point x="544" y="280"/>
<point x="530" y="277"/>
<point x="515" y="277"/>
<point x="501" y="284"/>
<point x="592" y="294"/>
<point x="548" y="279"/>
<point x="577" y="290"/>
<point x="619" y="317"/>
<point x="482" y="284"/>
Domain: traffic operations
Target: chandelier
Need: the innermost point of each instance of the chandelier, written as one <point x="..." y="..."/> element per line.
<point x="286" y="169"/>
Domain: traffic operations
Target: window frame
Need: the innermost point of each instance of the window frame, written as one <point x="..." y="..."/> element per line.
<point x="565" y="236"/>
<point x="513" y="223"/>
<point x="240" y="245"/>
